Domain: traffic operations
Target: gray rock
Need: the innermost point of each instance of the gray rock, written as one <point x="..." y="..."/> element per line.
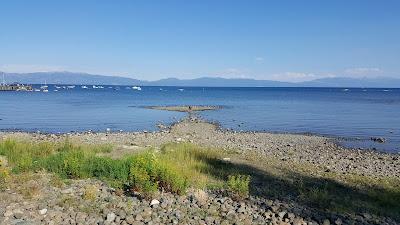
<point x="110" y="217"/>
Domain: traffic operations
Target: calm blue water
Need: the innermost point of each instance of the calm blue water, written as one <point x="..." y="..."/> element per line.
<point x="354" y="114"/>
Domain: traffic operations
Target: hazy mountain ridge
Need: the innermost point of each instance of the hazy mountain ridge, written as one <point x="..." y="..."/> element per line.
<point x="68" y="78"/>
<point x="90" y="79"/>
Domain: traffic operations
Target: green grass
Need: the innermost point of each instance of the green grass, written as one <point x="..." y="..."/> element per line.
<point x="173" y="169"/>
<point x="239" y="185"/>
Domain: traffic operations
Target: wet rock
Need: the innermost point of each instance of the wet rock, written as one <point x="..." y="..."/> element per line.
<point x="378" y="139"/>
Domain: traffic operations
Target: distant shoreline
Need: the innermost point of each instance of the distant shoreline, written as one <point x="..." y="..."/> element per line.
<point x="77" y="78"/>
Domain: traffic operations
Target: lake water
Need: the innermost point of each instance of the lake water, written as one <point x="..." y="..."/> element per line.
<point x="354" y="115"/>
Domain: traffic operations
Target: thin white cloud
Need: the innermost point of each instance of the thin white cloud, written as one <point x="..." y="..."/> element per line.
<point x="363" y="72"/>
<point x="27" y="68"/>
<point x="259" y="59"/>
<point x="293" y="76"/>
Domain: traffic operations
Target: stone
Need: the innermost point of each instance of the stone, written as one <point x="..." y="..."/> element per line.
<point x="18" y="214"/>
<point x="138" y="217"/>
<point x="282" y="214"/>
<point x="43" y="211"/>
<point x="338" y="221"/>
<point x="326" y="222"/>
<point x="154" y="202"/>
<point x="129" y="219"/>
<point x="110" y="217"/>
<point x="67" y="191"/>
<point x="378" y="139"/>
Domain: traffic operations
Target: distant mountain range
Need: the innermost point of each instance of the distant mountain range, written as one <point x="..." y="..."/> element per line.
<point x="90" y="79"/>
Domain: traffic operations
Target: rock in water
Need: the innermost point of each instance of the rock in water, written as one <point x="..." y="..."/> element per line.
<point x="378" y="139"/>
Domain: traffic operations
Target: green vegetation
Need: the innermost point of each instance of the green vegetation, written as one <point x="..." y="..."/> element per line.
<point x="4" y="173"/>
<point x="173" y="169"/>
<point x="239" y="185"/>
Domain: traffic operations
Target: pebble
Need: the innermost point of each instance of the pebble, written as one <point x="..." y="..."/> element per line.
<point x="154" y="202"/>
<point x="42" y="211"/>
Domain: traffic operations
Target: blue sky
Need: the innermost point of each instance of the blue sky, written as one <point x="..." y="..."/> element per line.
<point x="278" y="40"/>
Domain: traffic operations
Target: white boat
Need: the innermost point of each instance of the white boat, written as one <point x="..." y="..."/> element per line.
<point x="71" y="86"/>
<point x="137" y="88"/>
<point x="45" y="90"/>
<point x="44" y="86"/>
<point x="181" y="89"/>
<point x="55" y="90"/>
<point x="84" y="87"/>
<point x="37" y="90"/>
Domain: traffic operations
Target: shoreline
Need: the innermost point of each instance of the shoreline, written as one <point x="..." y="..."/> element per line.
<point x="302" y="148"/>
<point x="160" y="127"/>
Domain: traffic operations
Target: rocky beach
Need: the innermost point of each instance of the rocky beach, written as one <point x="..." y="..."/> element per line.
<point x="282" y="167"/>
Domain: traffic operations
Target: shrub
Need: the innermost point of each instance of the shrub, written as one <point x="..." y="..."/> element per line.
<point x="68" y="164"/>
<point x="147" y="174"/>
<point x="238" y="185"/>
<point x="173" y="169"/>
<point x="90" y="193"/>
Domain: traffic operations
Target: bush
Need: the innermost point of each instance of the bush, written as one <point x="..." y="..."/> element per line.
<point x="147" y="174"/>
<point x="70" y="164"/>
<point x="90" y="193"/>
<point x="239" y="185"/>
<point x="174" y="169"/>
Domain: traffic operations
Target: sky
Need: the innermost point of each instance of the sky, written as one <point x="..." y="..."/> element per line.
<point x="271" y="40"/>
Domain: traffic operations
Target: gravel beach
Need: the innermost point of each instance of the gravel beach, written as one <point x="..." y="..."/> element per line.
<point x="266" y="152"/>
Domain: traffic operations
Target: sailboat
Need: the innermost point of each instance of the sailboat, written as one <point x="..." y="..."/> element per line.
<point x="44" y="86"/>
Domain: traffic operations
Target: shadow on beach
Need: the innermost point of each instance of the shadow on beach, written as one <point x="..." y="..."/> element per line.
<point x="322" y="196"/>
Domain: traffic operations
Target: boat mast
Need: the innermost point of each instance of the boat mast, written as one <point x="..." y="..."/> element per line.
<point x="4" y="80"/>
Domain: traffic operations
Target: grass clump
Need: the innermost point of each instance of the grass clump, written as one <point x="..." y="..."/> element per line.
<point x="145" y="172"/>
<point x="239" y="185"/>
<point x="90" y="192"/>
<point x="4" y="173"/>
<point x="173" y="169"/>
